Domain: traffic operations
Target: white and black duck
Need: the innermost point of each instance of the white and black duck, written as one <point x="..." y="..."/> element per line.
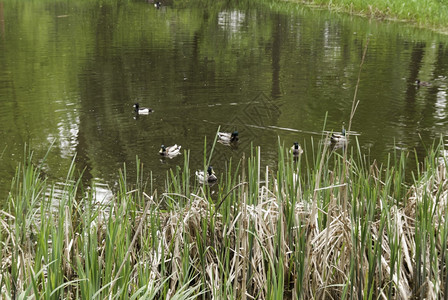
<point x="170" y="151"/>
<point x="142" y="110"/>
<point x="339" y="137"/>
<point x="296" y="149"/>
<point x="209" y="176"/>
<point x="228" y="137"/>
<point x="422" y="83"/>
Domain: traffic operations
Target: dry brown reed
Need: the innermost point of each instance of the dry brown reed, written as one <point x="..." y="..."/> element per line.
<point x="271" y="235"/>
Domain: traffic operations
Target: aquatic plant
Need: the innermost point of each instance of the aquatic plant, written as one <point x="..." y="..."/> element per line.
<point x="430" y="14"/>
<point x="324" y="226"/>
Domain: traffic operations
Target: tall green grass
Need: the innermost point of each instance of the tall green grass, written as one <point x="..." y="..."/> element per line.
<point x="428" y="13"/>
<point x="325" y="225"/>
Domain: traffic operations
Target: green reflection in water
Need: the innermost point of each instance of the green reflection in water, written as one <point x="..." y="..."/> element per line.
<point x="71" y="72"/>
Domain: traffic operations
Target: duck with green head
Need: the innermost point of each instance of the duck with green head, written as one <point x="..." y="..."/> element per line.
<point x="228" y="137"/>
<point x="296" y="149"/>
<point x="339" y="137"/>
<point x="170" y="151"/>
<point x="208" y="177"/>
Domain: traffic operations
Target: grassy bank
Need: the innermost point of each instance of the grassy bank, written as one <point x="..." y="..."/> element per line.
<point x="325" y="227"/>
<point x="431" y="14"/>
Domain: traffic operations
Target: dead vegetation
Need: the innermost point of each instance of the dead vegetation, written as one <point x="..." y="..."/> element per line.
<point x="263" y="236"/>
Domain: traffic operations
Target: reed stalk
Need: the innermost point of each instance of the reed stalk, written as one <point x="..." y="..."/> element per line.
<point x="262" y="234"/>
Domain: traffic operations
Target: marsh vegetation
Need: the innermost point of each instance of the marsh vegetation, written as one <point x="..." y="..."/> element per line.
<point x="431" y="14"/>
<point x="318" y="224"/>
<point x="326" y="225"/>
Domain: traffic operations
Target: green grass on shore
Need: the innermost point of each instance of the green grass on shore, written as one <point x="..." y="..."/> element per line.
<point x="432" y="14"/>
<point x="325" y="225"/>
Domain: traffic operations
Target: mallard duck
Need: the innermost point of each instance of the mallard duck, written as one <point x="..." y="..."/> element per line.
<point x="296" y="149"/>
<point x="210" y="177"/>
<point x="170" y="151"/>
<point x="228" y="137"/>
<point x="339" y="137"/>
<point x="422" y="83"/>
<point x="142" y="110"/>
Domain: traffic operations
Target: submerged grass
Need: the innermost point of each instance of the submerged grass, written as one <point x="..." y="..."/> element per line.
<point x="330" y="226"/>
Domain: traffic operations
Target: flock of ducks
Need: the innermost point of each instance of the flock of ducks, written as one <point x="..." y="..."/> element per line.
<point x="226" y="138"/>
<point x="229" y="139"/>
<point x="337" y="140"/>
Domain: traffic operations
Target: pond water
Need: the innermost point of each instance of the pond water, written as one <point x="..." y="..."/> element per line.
<point x="71" y="72"/>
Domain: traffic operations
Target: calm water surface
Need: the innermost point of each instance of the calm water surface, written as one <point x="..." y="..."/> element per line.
<point x="71" y="72"/>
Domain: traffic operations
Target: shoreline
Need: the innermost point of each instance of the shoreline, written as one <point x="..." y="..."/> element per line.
<point x="416" y="18"/>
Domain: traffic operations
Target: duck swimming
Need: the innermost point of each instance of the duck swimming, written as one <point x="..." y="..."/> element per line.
<point x="339" y="137"/>
<point x="142" y="110"/>
<point x="209" y="177"/>
<point x="227" y="137"/>
<point x="170" y="151"/>
<point x="422" y="83"/>
<point x="296" y="149"/>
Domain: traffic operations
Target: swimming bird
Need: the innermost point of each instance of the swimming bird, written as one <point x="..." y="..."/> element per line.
<point x="296" y="149"/>
<point x="142" y="110"/>
<point x="339" y="137"/>
<point x="209" y="177"/>
<point x="422" y="83"/>
<point x="170" y="151"/>
<point x="228" y="137"/>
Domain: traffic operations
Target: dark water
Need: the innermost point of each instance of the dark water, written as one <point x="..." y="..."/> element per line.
<point x="71" y="72"/>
